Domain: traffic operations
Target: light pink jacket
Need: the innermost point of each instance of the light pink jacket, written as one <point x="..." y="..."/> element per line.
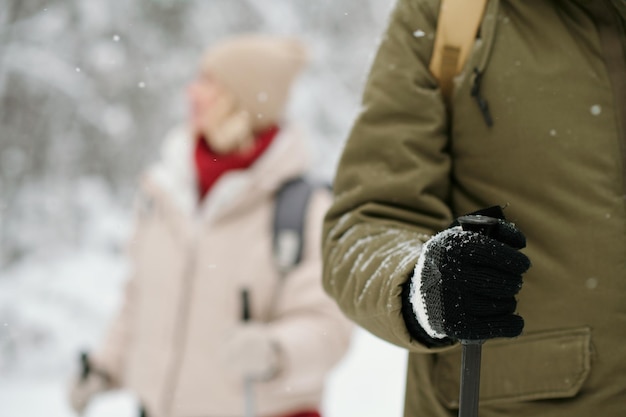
<point x="191" y="261"/>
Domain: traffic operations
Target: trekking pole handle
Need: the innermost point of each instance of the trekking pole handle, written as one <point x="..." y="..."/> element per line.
<point x="478" y="223"/>
<point x="472" y="349"/>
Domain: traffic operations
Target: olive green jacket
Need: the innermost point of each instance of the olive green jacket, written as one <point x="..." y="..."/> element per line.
<point x="554" y="75"/>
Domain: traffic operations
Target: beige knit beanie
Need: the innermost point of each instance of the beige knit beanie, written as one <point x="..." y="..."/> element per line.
<point x="258" y="70"/>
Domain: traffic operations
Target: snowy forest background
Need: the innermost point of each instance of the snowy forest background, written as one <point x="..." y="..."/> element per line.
<point x="88" y="88"/>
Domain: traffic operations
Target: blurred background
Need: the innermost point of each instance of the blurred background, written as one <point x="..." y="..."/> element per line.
<point x="88" y="89"/>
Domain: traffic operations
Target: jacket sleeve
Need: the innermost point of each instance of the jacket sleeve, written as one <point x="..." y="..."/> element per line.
<point x="109" y="357"/>
<point x="393" y="181"/>
<point x="311" y="331"/>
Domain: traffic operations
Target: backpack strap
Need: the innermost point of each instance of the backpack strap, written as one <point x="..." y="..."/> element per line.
<point x="457" y="27"/>
<point x="292" y="201"/>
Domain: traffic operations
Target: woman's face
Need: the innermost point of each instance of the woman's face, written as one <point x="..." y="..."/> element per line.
<point x="203" y="94"/>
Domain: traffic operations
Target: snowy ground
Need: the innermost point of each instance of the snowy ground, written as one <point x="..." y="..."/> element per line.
<point x="58" y="301"/>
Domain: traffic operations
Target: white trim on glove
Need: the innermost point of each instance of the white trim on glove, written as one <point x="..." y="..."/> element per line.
<point x="416" y="294"/>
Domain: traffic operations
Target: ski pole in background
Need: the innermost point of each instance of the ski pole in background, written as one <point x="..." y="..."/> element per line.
<point x="248" y="379"/>
<point x="472" y="349"/>
<point x="85" y="366"/>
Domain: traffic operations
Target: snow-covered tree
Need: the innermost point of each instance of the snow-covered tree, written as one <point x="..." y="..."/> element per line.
<point x="88" y="89"/>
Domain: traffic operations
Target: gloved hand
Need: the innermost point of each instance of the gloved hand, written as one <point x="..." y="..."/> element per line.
<point x="464" y="286"/>
<point x="83" y="390"/>
<point x="249" y="351"/>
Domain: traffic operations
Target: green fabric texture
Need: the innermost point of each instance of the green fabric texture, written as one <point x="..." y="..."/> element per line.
<point x="553" y="75"/>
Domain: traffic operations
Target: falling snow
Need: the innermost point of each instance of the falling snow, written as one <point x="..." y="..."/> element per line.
<point x="63" y="231"/>
<point x="596" y="109"/>
<point x="591" y="283"/>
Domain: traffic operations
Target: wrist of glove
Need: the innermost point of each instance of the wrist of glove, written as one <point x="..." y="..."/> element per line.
<point x="464" y="286"/>
<point x="250" y="351"/>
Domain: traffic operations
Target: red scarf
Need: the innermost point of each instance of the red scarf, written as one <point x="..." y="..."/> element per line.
<point x="210" y="166"/>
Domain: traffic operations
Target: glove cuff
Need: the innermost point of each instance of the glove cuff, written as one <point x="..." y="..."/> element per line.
<point x="414" y="310"/>
<point x="426" y="272"/>
<point x="412" y="324"/>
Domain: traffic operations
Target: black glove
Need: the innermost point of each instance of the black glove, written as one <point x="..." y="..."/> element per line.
<point x="464" y="286"/>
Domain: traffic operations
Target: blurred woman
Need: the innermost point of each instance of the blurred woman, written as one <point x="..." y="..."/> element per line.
<point x="204" y="233"/>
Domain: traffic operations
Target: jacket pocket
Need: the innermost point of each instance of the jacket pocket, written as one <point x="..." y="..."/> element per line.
<point x="551" y="364"/>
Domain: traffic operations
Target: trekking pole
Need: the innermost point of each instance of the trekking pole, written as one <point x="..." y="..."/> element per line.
<point x="472" y="349"/>
<point x="85" y="366"/>
<point x="248" y="379"/>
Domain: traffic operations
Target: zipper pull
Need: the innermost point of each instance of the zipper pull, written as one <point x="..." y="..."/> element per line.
<point x="483" y="105"/>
